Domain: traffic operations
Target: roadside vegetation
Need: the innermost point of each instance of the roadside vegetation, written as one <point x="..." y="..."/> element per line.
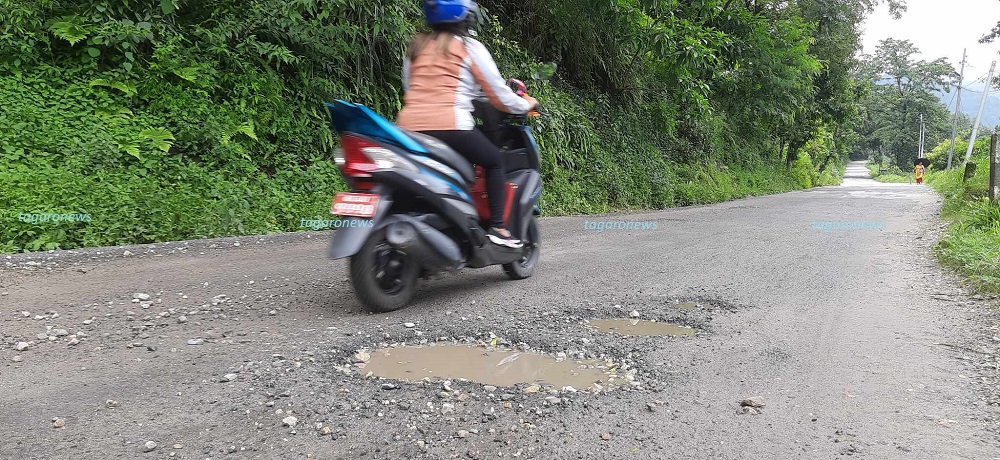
<point x="972" y="243"/>
<point x="174" y="119"/>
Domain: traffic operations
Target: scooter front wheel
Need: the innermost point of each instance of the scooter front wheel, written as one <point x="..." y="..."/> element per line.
<point x="384" y="278"/>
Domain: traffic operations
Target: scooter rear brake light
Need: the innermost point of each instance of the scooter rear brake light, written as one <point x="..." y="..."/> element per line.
<point x="354" y="162"/>
<point x="361" y="157"/>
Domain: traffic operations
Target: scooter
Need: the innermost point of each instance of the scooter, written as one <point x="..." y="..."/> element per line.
<point x="418" y="209"/>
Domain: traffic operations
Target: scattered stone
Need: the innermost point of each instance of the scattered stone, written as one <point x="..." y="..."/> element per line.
<point x="178" y="446"/>
<point x="651" y="407"/>
<point x="21" y="346"/>
<point x="606" y="436"/>
<point x="463" y="434"/>
<point x="182" y="319"/>
<point x="17" y="359"/>
<point x="532" y="389"/>
<point x="389" y="386"/>
<point x="326" y="430"/>
<point x="196" y="341"/>
<point x="228" y="378"/>
<point x="26" y="314"/>
<point x="111" y="403"/>
<point x="553" y="400"/>
<point x="126" y="253"/>
<point x="140" y="297"/>
<point x="755" y="402"/>
<point x="506" y="397"/>
<point x="150" y="347"/>
<point x="272" y="312"/>
<point x="60" y="332"/>
<point x="447" y="408"/>
<point x="58" y="423"/>
<point x="409" y="325"/>
<point x="633" y="314"/>
<point x="149" y="446"/>
<point x="88" y="322"/>
<point x="490" y="388"/>
<point x="289" y="421"/>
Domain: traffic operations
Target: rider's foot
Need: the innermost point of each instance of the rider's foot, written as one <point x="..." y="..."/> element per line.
<point x="502" y="237"/>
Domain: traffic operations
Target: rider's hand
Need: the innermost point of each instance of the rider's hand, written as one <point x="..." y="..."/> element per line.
<point x="532" y="101"/>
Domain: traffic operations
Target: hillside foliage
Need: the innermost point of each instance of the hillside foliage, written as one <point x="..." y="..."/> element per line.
<point x="168" y="119"/>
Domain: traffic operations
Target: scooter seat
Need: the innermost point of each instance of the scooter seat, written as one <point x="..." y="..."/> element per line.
<point x="441" y="152"/>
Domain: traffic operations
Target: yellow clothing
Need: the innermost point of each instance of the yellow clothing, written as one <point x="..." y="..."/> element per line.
<point x="919" y="172"/>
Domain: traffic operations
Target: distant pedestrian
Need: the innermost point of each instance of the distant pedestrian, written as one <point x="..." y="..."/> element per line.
<point x="918" y="173"/>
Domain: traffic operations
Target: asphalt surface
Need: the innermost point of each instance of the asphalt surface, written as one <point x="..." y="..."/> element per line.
<point x="856" y="342"/>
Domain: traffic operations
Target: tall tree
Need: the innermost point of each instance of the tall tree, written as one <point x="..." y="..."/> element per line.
<point x="903" y="90"/>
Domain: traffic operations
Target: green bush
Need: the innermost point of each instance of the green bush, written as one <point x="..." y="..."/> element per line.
<point x="972" y="242"/>
<point x="174" y="119"/>
<point x="803" y="170"/>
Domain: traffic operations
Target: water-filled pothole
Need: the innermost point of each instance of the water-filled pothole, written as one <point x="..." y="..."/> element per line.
<point x="686" y="306"/>
<point x="490" y="366"/>
<point x="641" y="327"/>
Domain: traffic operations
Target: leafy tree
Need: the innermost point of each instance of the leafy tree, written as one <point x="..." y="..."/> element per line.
<point x="903" y="90"/>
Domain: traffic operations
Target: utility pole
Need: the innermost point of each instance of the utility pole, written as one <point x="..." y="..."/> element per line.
<point x="979" y="117"/>
<point x="921" y="138"/>
<point x="958" y="110"/>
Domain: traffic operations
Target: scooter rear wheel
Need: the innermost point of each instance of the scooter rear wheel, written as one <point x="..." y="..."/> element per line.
<point x="383" y="277"/>
<point x="525" y="266"/>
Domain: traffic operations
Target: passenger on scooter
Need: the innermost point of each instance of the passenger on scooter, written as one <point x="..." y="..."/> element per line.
<point x="444" y="71"/>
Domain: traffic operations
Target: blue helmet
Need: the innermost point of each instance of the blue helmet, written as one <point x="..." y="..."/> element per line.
<point x="450" y="11"/>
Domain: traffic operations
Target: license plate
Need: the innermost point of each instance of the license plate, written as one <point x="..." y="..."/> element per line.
<point x="355" y="204"/>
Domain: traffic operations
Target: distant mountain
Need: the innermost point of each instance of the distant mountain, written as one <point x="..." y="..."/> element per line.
<point x="971" y="97"/>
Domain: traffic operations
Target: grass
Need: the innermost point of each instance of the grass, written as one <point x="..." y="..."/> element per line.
<point x="972" y="242"/>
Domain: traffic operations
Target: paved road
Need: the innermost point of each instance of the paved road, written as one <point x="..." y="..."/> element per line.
<point x="858" y="343"/>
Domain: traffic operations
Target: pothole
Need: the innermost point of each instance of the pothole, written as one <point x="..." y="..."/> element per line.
<point x="636" y="327"/>
<point x="492" y="367"/>
<point x="687" y="306"/>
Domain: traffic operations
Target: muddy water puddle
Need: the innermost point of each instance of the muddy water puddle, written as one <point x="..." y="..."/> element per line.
<point x="635" y="327"/>
<point x="686" y="306"/>
<point x="488" y="366"/>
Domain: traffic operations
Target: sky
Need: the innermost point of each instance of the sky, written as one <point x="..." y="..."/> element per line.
<point x="941" y="29"/>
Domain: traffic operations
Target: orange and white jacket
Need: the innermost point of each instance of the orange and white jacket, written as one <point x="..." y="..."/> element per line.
<point x="439" y="88"/>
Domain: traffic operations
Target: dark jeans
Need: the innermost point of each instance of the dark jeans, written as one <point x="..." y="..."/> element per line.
<point x="477" y="148"/>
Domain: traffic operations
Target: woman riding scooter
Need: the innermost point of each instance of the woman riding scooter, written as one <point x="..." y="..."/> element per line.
<point x="444" y="71"/>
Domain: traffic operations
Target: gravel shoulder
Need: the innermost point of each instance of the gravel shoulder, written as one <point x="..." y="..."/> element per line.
<point x="857" y="343"/>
